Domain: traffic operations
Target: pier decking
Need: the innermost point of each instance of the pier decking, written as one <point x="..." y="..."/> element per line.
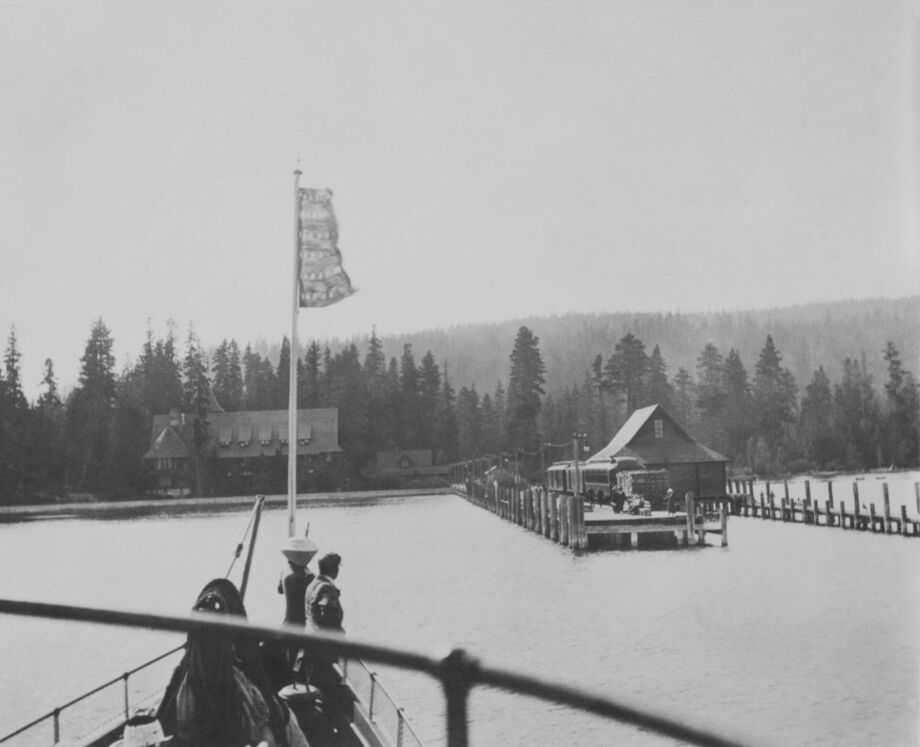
<point x="564" y="519"/>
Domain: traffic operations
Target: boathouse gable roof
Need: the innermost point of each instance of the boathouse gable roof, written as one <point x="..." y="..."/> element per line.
<point x="652" y="435"/>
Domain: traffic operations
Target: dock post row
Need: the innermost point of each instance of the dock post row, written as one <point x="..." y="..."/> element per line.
<point x="558" y="517"/>
<point x="809" y="510"/>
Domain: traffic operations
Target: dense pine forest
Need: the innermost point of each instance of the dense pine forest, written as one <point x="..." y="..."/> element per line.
<point x="820" y="387"/>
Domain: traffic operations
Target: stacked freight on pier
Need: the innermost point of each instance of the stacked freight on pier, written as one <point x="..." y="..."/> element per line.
<point x="651" y="484"/>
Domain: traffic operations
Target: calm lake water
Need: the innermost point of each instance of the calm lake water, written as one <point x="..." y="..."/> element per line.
<point x="791" y="635"/>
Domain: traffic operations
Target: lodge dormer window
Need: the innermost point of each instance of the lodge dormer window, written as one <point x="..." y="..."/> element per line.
<point x="245" y="436"/>
<point x="659" y="428"/>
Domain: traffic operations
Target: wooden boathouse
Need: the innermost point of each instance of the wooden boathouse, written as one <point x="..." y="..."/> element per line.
<point x="654" y="437"/>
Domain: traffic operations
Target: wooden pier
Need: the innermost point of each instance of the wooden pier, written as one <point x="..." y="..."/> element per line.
<point x="809" y="510"/>
<point x="564" y="519"/>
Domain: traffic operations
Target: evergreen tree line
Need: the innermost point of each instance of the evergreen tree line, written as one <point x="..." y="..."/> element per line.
<point x="93" y="442"/>
<point x="758" y="419"/>
<point x="809" y="336"/>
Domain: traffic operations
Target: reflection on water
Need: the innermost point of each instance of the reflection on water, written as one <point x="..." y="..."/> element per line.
<point x="791" y="635"/>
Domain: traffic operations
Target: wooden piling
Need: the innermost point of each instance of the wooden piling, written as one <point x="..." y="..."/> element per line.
<point x="770" y="500"/>
<point x="786" y="489"/>
<point x="571" y="523"/>
<point x="691" y="516"/>
<point x="871" y="517"/>
<point x="553" y="517"/>
<point x="575" y="532"/>
<point x="544" y="518"/>
<point x="575" y="539"/>
<point x="886" y="508"/>
<point x="828" y="513"/>
<point x="582" y="531"/>
<point x="843" y="518"/>
<point x="565" y="501"/>
<point x="808" y="502"/>
<point x="830" y="492"/>
<point x="723" y="524"/>
<point x="903" y="519"/>
<point x="856" y="520"/>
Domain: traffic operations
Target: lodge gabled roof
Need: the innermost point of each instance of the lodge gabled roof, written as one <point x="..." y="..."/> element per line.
<point x="636" y="439"/>
<point x="236" y="435"/>
<point x="168" y="444"/>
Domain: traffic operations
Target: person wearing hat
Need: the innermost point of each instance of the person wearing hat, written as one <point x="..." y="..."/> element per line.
<point x="142" y="730"/>
<point x="294" y="581"/>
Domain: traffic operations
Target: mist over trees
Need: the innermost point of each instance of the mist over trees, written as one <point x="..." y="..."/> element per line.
<point x="753" y="403"/>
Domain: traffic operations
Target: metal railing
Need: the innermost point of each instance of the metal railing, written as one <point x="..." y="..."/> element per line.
<point x="381" y="708"/>
<point x="457" y="672"/>
<point x="129" y="704"/>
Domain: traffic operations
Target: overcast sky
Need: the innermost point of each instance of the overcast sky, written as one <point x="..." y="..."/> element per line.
<point x="488" y="160"/>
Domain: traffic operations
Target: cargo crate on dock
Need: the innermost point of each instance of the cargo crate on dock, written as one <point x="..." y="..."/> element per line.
<point x="650" y="484"/>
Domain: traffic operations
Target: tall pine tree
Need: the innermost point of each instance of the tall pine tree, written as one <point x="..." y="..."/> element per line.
<point x="525" y="389"/>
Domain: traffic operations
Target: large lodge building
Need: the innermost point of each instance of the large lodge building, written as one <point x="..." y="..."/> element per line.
<point x="246" y="452"/>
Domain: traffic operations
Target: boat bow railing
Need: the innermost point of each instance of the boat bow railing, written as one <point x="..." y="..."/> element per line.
<point x="457" y="672"/>
<point x="130" y="699"/>
<point x="381" y="709"/>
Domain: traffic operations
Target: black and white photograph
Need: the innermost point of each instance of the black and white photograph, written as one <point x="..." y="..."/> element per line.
<point x="460" y="374"/>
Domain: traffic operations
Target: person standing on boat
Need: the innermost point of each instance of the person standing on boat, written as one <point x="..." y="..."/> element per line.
<point x="295" y="580"/>
<point x="293" y="584"/>
<point x="322" y="608"/>
<point x="323" y="612"/>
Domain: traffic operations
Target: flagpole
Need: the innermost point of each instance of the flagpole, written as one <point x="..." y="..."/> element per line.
<point x="292" y="386"/>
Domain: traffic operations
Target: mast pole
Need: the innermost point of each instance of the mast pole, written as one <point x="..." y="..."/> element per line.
<point x="292" y="378"/>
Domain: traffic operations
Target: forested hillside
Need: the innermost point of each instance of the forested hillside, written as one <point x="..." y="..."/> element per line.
<point x="820" y="334"/>
<point x="827" y="386"/>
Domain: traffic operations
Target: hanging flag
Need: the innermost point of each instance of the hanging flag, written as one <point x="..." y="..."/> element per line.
<point x="322" y="279"/>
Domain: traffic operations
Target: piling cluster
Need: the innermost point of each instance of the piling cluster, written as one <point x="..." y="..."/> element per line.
<point x="557" y="516"/>
<point x="810" y="511"/>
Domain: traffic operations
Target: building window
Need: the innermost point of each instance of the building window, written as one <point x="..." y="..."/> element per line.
<point x="659" y="428"/>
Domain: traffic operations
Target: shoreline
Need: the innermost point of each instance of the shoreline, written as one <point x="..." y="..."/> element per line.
<point x="48" y="510"/>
